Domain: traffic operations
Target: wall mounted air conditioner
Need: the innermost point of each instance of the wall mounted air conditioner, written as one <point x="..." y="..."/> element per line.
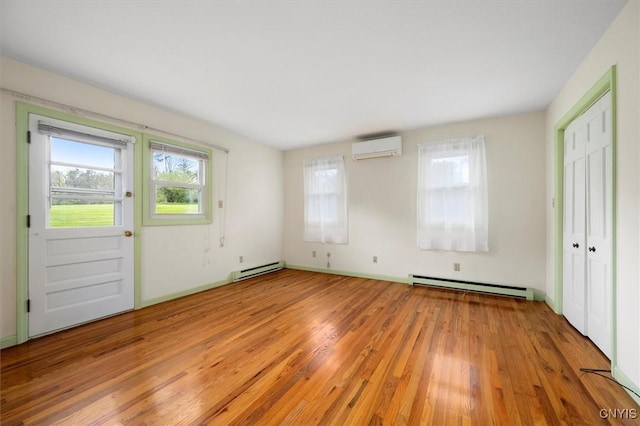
<point x="390" y="146"/>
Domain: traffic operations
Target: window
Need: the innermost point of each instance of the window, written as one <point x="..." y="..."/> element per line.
<point x="325" y="200"/>
<point x="452" y="195"/>
<point x="85" y="175"/>
<point x="178" y="186"/>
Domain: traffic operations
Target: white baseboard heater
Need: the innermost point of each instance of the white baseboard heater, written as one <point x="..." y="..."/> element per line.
<point x="502" y="290"/>
<point x="256" y="270"/>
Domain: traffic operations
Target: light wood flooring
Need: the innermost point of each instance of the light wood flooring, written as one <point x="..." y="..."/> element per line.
<point x="303" y="348"/>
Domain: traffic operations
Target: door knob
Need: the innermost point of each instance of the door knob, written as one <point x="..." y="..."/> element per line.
<point x="575" y="245"/>
<point x="592" y="249"/>
<point x="128" y="233"/>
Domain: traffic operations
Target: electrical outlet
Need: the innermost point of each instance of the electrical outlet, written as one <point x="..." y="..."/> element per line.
<point x="375" y="259"/>
<point x="313" y="253"/>
<point x="456" y="267"/>
<point x="241" y="259"/>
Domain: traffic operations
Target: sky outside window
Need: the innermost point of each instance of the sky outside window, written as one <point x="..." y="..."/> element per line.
<point x="67" y="151"/>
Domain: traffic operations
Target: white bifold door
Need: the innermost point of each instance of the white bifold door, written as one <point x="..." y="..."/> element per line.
<point x="81" y="222"/>
<point x="587" y="227"/>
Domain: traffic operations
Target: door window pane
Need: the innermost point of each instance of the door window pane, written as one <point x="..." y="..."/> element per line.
<point x="70" y="178"/>
<point x="70" y="213"/>
<point x="91" y="155"/>
<point x="85" y="185"/>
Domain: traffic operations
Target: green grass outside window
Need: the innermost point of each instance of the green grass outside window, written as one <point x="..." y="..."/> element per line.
<point x="83" y="215"/>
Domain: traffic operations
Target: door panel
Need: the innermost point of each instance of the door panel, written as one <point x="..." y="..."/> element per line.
<point x="599" y="221"/>
<point x="599" y="304"/>
<point x="80" y="261"/>
<point x="574" y="289"/>
<point x="574" y="285"/>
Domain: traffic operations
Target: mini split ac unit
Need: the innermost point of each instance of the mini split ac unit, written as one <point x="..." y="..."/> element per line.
<point x="390" y="146"/>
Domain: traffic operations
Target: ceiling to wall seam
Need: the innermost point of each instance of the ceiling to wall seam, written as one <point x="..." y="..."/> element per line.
<point x="96" y="115"/>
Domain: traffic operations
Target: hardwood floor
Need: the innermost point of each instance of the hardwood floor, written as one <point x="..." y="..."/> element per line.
<point x="304" y="348"/>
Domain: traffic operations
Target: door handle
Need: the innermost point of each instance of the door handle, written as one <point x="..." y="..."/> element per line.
<point x="575" y="245"/>
<point x="128" y="233"/>
<point x="592" y="249"/>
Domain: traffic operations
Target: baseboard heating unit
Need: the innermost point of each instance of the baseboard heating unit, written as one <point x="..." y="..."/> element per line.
<point x="502" y="290"/>
<point x="256" y="270"/>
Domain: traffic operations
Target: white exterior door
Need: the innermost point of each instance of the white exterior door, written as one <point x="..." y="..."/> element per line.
<point x="81" y="223"/>
<point x="587" y="242"/>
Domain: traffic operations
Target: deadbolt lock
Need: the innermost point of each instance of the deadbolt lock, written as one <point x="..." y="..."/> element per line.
<point x="128" y="194"/>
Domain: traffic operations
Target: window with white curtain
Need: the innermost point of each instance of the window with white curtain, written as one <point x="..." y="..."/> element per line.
<point x="452" y="195"/>
<point x="325" y="200"/>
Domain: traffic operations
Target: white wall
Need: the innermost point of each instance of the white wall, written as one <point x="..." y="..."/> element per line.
<point x="382" y="208"/>
<point x="174" y="258"/>
<point x="619" y="46"/>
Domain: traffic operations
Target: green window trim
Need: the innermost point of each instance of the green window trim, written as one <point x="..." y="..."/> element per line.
<point x="150" y="218"/>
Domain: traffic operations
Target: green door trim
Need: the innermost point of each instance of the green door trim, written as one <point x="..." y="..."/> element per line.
<point x="22" y="205"/>
<point x="606" y="83"/>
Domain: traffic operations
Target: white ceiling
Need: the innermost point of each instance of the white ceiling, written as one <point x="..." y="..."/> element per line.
<point x="291" y="74"/>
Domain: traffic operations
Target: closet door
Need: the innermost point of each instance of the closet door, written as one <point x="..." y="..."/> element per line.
<point x="598" y="229"/>
<point x="587" y="242"/>
<point x="574" y="240"/>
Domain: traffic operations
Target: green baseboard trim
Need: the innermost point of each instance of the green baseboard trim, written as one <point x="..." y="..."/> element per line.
<point x="625" y="380"/>
<point x="8" y="341"/>
<point x="184" y="293"/>
<point x="552" y="304"/>
<point x="349" y="274"/>
<point x="539" y="296"/>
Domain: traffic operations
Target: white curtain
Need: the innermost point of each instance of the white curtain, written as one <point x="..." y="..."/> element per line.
<point x="452" y="195"/>
<point x="325" y="200"/>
